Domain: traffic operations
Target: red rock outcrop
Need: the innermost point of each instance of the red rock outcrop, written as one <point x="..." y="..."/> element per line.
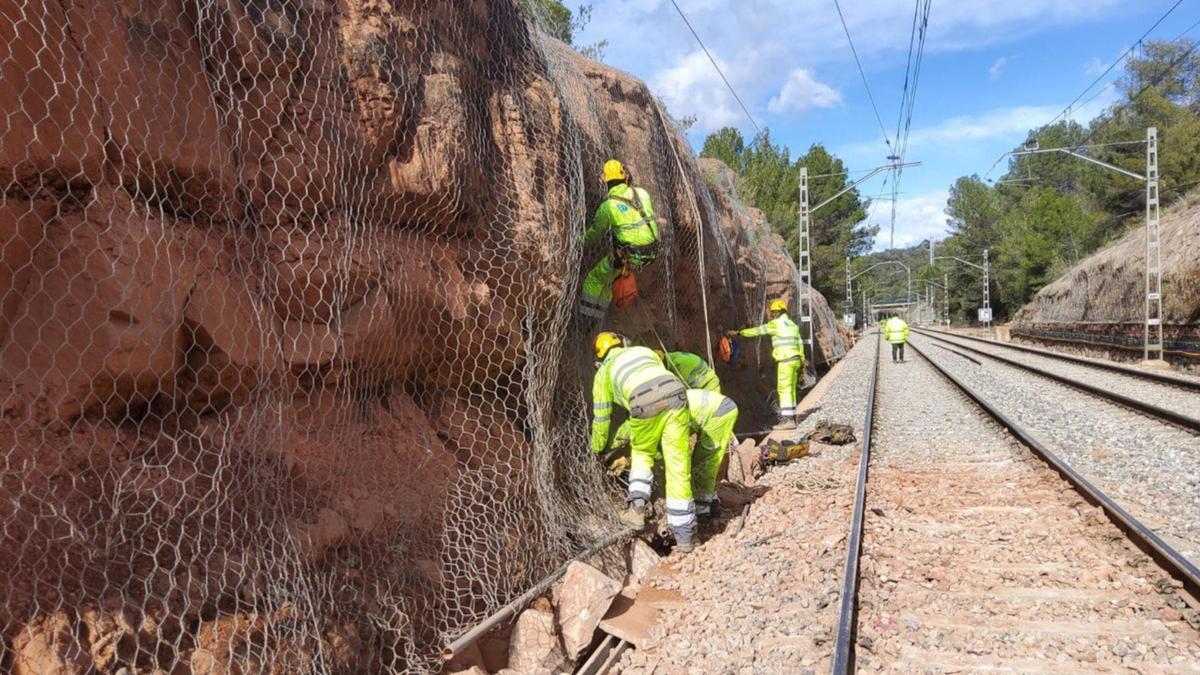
<point x="288" y="371"/>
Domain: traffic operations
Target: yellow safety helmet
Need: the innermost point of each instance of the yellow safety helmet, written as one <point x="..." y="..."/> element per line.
<point x="778" y="305"/>
<point x="606" y="340"/>
<point x="613" y="170"/>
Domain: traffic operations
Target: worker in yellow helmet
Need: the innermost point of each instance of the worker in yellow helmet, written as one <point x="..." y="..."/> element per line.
<point x="693" y="371"/>
<point x="787" y="351"/>
<point x="626" y="220"/>
<point x="634" y="379"/>
<point x="895" y="331"/>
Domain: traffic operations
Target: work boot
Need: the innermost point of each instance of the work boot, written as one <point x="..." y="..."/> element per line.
<point x="708" y="510"/>
<point x="634" y="514"/>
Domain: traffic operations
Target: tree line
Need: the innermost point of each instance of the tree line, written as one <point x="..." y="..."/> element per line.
<point x="1049" y="211"/>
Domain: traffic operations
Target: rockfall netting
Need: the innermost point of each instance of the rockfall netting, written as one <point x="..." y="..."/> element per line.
<point x="290" y="372"/>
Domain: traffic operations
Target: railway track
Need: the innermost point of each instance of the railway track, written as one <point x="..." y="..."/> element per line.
<point x="1164" y="397"/>
<point x="974" y="547"/>
<point x="1161" y="378"/>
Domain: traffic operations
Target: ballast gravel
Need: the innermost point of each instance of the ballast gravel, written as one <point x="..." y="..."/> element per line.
<point x="1147" y="466"/>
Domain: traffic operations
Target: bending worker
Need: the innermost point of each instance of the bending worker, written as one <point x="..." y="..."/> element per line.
<point x="692" y="369"/>
<point x="626" y="218"/>
<point x="634" y="378"/>
<point x="895" y="331"/>
<point x="787" y="352"/>
<point x="713" y="417"/>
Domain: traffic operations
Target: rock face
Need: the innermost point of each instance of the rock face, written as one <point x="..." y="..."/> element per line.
<point x="1109" y="286"/>
<point x="290" y="377"/>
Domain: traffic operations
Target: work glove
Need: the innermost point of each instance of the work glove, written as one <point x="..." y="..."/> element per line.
<point x="618" y="466"/>
<point x="615" y="461"/>
<point x="731" y="333"/>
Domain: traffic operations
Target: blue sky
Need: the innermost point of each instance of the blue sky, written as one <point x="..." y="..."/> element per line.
<point x="993" y="70"/>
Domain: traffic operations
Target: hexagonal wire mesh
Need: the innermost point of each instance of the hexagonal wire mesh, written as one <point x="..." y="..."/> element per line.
<point x="292" y="377"/>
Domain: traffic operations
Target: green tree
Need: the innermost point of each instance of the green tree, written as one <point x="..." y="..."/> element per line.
<point x="769" y="180"/>
<point x="727" y="145"/>
<point x="1171" y="68"/>
<point x="560" y="22"/>
<point x="1050" y="210"/>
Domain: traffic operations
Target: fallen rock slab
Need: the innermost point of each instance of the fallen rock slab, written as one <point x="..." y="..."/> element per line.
<point x="534" y="645"/>
<point x="582" y="598"/>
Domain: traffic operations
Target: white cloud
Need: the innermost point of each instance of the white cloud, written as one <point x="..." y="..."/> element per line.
<point x="755" y="42"/>
<point x="801" y="92"/>
<point x="1095" y="67"/>
<point x="691" y="86"/>
<point x="917" y="219"/>
<point x="997" y="68"/>
<point x="990" y="125"/>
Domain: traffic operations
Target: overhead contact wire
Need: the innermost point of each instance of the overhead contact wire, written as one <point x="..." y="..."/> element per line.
<point x="717" y="67"/>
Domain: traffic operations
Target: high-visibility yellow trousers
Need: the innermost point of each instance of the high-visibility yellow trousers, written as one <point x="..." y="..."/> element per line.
<point x="670" y="429"/>
<point x="597" y="289"/>
<point x="711" y="443"/>
<point x="786" y="374"/>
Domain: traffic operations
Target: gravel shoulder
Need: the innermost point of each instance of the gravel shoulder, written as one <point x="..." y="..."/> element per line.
<point x="1149" y="467"/>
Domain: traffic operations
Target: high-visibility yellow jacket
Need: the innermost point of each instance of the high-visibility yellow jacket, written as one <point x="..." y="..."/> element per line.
<point x="895" y="330"/>
<point x="693" y="370"/>
<point x="628" y="215"/>
<point x="633" y="378"/>
<point x="785" y="338"/>
<point x="706" y="405"/>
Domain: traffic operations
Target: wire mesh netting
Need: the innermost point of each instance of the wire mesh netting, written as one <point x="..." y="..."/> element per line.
<point x="290" y="369"/>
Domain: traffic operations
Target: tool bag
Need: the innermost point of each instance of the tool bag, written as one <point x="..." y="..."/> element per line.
<point x="624" y="289"/>
<point x="831" y="433"/>
<point x="729" y="349"/>
<point x="775" y="452"/>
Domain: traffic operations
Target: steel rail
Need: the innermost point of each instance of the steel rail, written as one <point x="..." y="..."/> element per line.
<point x="1141" y="536"/>
<point x="1176" y="418"/>
<point x="847" y="629"/>
<point x="1160" y="378"/>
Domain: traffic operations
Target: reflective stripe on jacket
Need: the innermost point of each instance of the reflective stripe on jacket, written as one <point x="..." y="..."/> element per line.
<point x="633" y="378"/>
<point x="704" y="406"/>
<point x="694" y="371"/>
<point x="620" y="216"/>
<point x="785" y="337"/>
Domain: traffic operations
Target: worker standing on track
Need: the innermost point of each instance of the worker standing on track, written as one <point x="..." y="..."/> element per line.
<point x="635" y="379"/>
<point x="788" y="353"/>
<point x="626" y="218"/>
<point x="713" y="417"/>
<point x="895" y="331"/>
<point x="692" y="369"/>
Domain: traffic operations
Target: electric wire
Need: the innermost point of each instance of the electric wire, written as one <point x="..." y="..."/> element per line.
<point x="863" y="74"/>
<point x="717" y="67"/>
<point x="1067" y="111"/>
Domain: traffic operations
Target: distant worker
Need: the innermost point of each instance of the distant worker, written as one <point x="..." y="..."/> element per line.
<point x="634" y="378"/>
<point x="713" y="417"/>
<point x="692" y="369"/>
<point x="895" y="331"/>
<point x="626" y="219"/>
<point x="787" y="352"/>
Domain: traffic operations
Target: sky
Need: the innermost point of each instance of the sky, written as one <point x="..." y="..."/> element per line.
<point x="993" y="70"/>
